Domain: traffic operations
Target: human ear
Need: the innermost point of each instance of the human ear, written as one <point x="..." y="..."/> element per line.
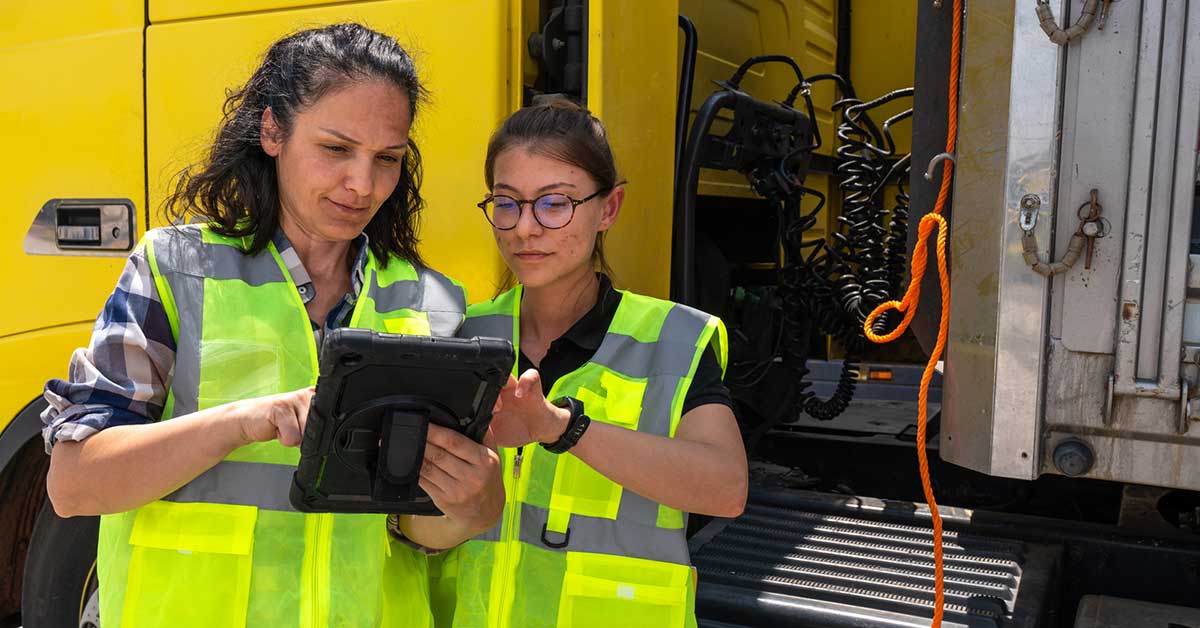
<point x="270" y="135"/>
<point x="611" y="208"/>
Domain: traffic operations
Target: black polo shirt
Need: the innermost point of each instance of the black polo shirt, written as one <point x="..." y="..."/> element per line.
<point x="574" y="348"/>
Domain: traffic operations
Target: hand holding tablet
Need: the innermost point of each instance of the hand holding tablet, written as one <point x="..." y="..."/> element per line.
<point x="376" y="395"/>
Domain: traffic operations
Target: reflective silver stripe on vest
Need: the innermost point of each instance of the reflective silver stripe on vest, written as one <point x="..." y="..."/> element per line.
<point x="488" y="325"/>
<point x="399" y="295"/>
<point x="225" y="262"/>
<point x="626" y="355"/>
<point x="606" y="536"/>
<point x="188" y="293"/>
<point x="443" y="302"/>
<point x="185" y="261"/>
<point x="258" y="484"/>
<point x="492" y="535"/>
<point x="663" y="364"/>
<point x="676" y="350"/>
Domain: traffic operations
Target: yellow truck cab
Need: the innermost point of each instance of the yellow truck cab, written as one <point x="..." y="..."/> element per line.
<point x="776" y="153"/>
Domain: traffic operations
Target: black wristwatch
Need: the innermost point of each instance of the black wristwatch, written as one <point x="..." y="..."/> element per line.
<point x="576" y="425"/>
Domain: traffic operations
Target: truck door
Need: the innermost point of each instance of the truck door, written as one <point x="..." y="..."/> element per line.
<point x="72" y="119"/>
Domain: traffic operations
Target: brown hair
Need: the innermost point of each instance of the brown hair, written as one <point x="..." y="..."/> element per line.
<point x="561" y="130"/>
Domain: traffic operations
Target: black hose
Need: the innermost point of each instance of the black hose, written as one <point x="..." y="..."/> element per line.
<point x="687" y="75"/>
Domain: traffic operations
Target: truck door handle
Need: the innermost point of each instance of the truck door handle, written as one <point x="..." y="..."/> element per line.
<point x="81" y="226"/>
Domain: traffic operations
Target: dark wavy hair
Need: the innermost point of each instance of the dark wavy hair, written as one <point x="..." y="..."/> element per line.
<point x="562" y="130"/>
<point x="235" y="188"/>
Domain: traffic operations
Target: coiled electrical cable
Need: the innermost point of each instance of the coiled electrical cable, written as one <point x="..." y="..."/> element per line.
<point x="834" y="283"/>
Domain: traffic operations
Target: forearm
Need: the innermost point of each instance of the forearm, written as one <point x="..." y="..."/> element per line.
<point x="128" y="466"/>
<point x="691" y="476"/>
<point x="440" y="532"/>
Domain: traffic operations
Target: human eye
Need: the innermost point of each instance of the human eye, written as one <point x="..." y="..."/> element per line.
<point x="554" y="201"/>
<point x="335" y="149"/>
<point x="389" y="159"/>
<point x="504" y="203"/>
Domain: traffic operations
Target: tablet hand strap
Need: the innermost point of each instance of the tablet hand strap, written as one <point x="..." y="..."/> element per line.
<point x="403" y="446"/>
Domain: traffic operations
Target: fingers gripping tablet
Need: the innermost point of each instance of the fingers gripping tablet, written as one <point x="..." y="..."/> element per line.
<point x="376" y="395"/>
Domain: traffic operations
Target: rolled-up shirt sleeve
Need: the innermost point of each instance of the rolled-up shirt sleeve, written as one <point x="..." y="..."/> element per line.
<point x="123" y="375"/>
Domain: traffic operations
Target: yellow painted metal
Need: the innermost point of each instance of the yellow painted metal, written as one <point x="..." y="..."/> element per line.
<point x="72" y="120"/>
<point x="731" y="31"/>
<point x="170" y="10"/>
<point x="632" y="66"/>
<point x="883" y="47"/>
<point x="32" y="358"/>
<point x="24" y="22"/>
<point x="465" y="64"/>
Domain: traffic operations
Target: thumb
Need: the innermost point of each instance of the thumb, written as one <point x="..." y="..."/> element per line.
<point x="524" y="386"/>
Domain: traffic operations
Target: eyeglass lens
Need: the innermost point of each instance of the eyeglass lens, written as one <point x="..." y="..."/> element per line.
<point x="551" y="211"/>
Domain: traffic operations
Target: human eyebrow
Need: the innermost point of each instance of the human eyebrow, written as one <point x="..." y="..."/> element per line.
<point x="351" y="140"/>
<point x="560" y="184"/>
<point x="544" y="188"/>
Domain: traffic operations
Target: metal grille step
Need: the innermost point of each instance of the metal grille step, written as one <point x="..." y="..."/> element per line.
<point x="780" y="564"/>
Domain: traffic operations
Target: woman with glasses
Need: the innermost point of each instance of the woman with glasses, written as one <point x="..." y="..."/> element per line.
<point x="618" y="424"/>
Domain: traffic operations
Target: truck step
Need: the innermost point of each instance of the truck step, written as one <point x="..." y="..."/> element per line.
<point x="796" y="558"/>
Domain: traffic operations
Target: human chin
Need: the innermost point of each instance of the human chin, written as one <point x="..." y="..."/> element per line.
<point x="341" y="229"/>
<point x="529" y="275"/>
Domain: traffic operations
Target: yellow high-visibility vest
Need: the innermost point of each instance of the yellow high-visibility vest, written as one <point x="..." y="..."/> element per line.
<point x="227" y="549"/>
<point x="575" y="549"/>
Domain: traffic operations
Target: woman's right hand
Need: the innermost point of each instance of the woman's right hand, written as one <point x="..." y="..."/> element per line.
<point x="522" y="415"/>
<point x="275" y="417"/>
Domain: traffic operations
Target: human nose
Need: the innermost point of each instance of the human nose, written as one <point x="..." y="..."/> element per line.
<point x="360" y="177"/>
<point x="527" y="223"/>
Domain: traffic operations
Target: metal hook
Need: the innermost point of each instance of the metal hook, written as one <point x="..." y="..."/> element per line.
<point x="937" y="159"/>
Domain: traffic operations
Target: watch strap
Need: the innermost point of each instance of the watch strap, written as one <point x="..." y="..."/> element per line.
<point x="576" y="425"/>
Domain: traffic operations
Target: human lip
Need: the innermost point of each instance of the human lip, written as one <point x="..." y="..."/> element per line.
<point x="347" y="208"/>
<point x="532" y="255"/>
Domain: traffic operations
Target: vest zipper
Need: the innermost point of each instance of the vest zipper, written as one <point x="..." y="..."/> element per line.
<point x="321" y="577"/>
<point x="318" y="547"/>
<point x="505" y="569"/>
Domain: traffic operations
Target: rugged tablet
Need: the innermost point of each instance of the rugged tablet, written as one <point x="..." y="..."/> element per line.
<point x="376" y="395"/>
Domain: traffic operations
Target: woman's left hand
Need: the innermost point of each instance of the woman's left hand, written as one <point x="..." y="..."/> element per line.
<point x="463" y="478"/>
<point x="523" y="415"/>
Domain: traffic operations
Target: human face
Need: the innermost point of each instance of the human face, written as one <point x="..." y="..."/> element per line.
<point x="541" y="257"/>
<point x="341" y="161"/>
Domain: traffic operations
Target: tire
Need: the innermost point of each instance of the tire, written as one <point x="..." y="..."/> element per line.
<point x="59" y="587"/>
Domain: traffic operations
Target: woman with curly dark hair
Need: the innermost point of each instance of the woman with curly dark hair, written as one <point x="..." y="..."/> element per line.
<point x="179" y="423"/>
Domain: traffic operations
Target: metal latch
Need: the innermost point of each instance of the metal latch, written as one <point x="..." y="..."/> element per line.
<point x="83" y="227"/>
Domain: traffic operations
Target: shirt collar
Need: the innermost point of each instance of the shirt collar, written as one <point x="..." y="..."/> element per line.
<point x="589" y="331"/>
<point x="304" y="283"/>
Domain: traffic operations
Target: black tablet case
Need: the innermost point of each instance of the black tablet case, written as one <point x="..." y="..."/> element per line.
<point x="365" y="436"/>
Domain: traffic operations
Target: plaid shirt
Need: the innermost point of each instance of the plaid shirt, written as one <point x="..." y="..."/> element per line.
<point x="123" y="377"/>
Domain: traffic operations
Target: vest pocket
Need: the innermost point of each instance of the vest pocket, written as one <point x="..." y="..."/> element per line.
<point x="579" y="489"/>
<point x="189" y="565"/>
<point x="410" y="325"/>
<point x="601" y="590"/>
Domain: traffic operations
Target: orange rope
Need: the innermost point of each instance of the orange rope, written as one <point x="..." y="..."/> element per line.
<point x="908" y="306"/>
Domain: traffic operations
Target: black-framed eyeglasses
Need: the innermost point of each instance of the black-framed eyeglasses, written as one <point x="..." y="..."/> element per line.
<point x="552" y="211"/>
